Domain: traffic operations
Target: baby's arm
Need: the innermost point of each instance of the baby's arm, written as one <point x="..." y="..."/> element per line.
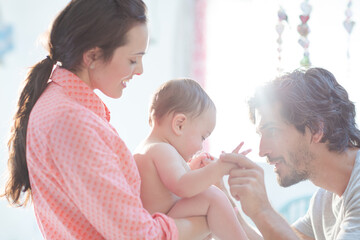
<point x="172" y="170"/>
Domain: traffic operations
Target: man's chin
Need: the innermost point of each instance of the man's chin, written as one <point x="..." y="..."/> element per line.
<point x="287" y="182"/>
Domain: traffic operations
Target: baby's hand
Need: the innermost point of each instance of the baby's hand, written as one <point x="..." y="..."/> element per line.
<point x="226" y="166"/>
<point x="200" y="160"/>
<point x="238" y="147"/>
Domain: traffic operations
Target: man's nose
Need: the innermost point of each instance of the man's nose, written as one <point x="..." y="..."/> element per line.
<point x="264" y="148"/>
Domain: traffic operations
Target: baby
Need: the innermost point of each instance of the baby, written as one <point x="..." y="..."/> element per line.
<point x="182" y="116"/>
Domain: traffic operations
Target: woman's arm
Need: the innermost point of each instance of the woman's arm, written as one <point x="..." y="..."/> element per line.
<point x="99" y="178"/>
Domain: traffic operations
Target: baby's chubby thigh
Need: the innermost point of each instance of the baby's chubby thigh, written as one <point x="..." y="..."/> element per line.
<point x="199" y="204"/>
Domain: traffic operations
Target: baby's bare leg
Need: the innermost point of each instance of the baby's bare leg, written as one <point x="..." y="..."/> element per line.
<point x="216" y="206"/>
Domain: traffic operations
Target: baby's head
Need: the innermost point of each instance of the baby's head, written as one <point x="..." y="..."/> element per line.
<point x="179" y="96"/>
<point x="188" y="109"/>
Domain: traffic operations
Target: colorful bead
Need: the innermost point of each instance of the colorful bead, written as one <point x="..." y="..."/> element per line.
<point x="282" y="17"/>
<point x="304" y="30"/>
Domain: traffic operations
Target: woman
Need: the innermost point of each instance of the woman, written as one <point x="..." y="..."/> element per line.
<point x="63" y="153"/>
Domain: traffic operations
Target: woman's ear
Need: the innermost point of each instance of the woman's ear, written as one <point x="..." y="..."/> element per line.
<point x="178" y="123"/>
<point x="90" y="56"/>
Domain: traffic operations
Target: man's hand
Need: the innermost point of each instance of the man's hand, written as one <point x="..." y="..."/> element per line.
<point x="246" y="184"/>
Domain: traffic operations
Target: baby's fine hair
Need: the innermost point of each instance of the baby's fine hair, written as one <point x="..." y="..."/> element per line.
<point x="179" y="96"/>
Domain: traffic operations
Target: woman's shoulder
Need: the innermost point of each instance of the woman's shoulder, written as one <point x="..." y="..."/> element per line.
<point x="56" y="113"/>
<point x="54" y="101"/>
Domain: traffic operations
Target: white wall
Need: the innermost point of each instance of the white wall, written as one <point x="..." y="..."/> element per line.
<point x="242" y="53"/>
<point x="29" y="19"/>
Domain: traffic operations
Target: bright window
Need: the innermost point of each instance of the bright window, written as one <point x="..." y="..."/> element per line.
<point x="242" y="53"/>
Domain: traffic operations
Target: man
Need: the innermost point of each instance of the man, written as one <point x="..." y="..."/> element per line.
<point x="308" y="132"/>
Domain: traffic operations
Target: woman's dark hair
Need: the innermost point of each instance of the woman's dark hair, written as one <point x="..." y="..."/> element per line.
<point x="80" y="26"/>
<point x="312" y="99"/>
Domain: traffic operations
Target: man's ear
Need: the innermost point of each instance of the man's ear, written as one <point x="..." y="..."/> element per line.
<point x="317" y="136"/>
<point x="90" y="56"/>
<point x="178" y="123"/>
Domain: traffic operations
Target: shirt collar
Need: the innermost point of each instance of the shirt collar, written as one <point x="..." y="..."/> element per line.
<point x="80" y="91"/>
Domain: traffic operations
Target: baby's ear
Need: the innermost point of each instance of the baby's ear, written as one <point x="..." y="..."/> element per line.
<point x="178" y="123"/>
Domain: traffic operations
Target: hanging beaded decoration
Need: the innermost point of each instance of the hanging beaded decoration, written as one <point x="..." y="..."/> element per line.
<point x="303" y="30"/>
<point x="349" y="24"/>
<point x="280" y="29"/>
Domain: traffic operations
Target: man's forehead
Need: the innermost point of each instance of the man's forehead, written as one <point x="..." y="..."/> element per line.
<point x="268" y="114"/>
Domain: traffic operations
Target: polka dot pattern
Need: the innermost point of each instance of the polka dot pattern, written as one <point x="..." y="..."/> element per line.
<point x="84" y="180"/>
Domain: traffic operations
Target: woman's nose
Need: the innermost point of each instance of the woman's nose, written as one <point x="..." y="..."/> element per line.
<point x="139" y="68"/>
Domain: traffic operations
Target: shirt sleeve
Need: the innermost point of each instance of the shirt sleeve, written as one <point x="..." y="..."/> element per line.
<point x="97" y="170"/>
<point x="350" y="226"/>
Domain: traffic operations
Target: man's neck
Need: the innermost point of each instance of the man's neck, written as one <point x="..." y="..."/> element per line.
<point x="333" y="170"/>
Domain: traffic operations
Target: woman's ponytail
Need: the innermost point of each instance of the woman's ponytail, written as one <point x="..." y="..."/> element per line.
<point x="18" y="181"/>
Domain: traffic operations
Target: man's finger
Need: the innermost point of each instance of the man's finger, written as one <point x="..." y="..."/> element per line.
<point x="238" y="173"/>
<point x="241" y="160"/>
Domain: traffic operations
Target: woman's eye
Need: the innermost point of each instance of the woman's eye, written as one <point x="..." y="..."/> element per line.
<point x="203" y="138"/>
<point x="133" y="62"/>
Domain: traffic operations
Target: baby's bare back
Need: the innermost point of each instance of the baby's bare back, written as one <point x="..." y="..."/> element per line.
<point x="154" y="195"/>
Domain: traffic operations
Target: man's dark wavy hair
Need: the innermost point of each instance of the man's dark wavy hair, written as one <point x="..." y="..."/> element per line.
<point x="312" y="98"/>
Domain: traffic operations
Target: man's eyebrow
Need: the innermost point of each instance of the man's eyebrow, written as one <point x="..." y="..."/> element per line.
<point x="139" y="53"/>
<point x="264" y="126"/>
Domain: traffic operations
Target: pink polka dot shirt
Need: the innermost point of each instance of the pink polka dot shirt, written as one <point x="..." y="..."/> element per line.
<point x="84" y="180"/>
